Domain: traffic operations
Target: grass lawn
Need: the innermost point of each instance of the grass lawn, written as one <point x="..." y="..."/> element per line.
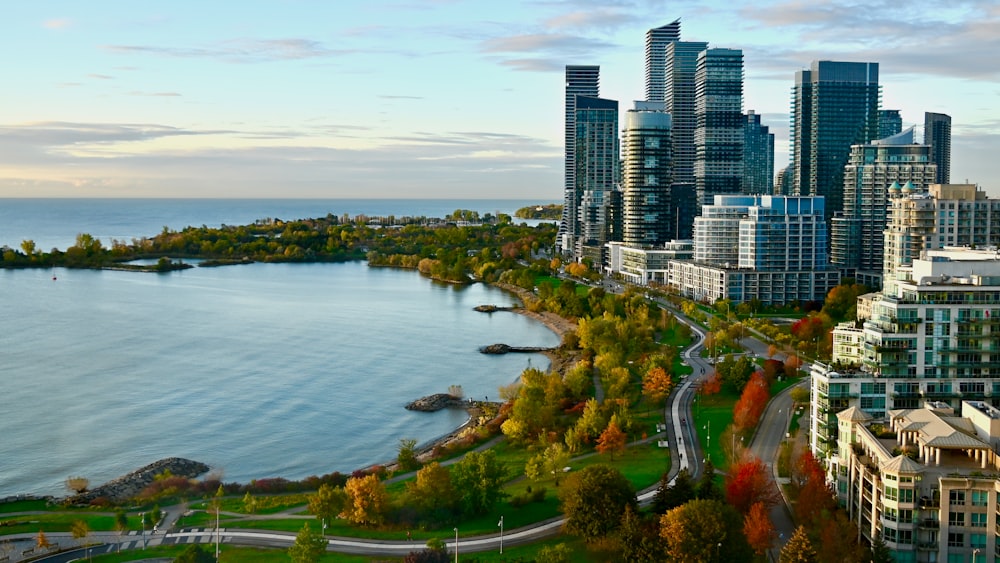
<point x="59" y="522"/>
<point x="712" y="414"/>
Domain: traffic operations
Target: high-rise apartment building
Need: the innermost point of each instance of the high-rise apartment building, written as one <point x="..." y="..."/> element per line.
<point x="944" y="215"/>
<point x="679" y="91"/>
<point x="648" y="218"/>
<point x="581" y="80"/>
<point x="719" y="129"/>
<point x="874" y="173"/>
<point x="937" y="134"/>
<point x="758" y="156"/>
<point x="765" y="247"/>
<point x="890" y="123"/>
<point x="834" y="106"/>
<point x="597" y="173"/>
<point x="657" y="40"/>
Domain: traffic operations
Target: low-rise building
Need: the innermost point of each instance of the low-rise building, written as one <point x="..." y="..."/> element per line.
<point x="924" y="479"/>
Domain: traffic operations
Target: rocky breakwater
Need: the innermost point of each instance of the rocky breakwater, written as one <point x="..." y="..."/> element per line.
<point x="504" y="349"/>
<point x="130" y="485"/>
<point x="433" y="403"/>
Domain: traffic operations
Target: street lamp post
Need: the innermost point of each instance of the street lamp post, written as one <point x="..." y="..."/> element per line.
<point x="456" y="545"/>
<point x="975" y="554"/>
<point x="501" y="534"/>
<point x="217" y="509"/>
<point x="142" y="518"/>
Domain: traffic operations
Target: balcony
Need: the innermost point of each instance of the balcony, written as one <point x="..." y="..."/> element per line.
<point x="928" y="524"/>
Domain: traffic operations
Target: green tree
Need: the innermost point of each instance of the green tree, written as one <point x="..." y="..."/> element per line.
<point x="194" y="553"/>
<point x="478" y="480"/>
<point x="249" y="503"/>
<point x="407" y="457"/>
<point x="327" y="502"/>
<point x="558" y="553"/>
<point x="670" y="496"/>
<point x="880" y="552"/>
<point x="308" y="547"/>
<point x="594" y="499"/>
<point x="638" y="539"/>
<point x="707" y="489"/>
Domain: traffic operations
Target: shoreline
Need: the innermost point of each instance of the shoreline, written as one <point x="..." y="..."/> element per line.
<point x="557" y="363"/>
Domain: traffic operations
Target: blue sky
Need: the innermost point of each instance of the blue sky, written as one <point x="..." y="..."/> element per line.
<point x="422" y="99"/>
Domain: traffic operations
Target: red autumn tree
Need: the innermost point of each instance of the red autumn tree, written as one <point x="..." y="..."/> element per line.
<point x="750" y="406"/>
<point x="805" y="469"/>
<point x="816" y="500"/>
<point x="759" y="529"/>
<point x="749" y="482"/>
<point x="712" y="385"/>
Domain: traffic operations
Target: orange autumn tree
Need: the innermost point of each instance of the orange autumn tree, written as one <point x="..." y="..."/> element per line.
<point x="748" y="483"/>
<point x="747" y="411"/>
<point x="612" y="440"/>
<point x="759" y="529"/>
<point x="656" y="385"/>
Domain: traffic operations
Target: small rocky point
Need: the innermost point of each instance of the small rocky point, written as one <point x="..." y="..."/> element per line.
<point x="432" y="403"/>
<point x="130" y="485"/>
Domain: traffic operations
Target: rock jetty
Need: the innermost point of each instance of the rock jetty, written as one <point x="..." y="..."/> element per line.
<point x="436" y="402"/>
<point x="504" y="349"/>
<point x="130" y="485"/>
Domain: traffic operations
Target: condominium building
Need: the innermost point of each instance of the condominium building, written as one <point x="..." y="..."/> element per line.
<point x="834" y="106"/>
<point x="875" y="172"/>
<point x="646" y="266"/>
<point x="647" y="172"/>
<point x="758" y="156"/>
<point x="934" y="333"/>
<point x="937" y="134"/>
<point x="597" y="173"/>
<point x="581" y="80"/>
<point x="681" y="60"/>
<point x="657" y="40"/>
<point x="719" y="129"/>
<point x="770" y="248"/>
<point x="951" y="215"/>
<point x="925" y="479"/>
<point x="890" y="123"/>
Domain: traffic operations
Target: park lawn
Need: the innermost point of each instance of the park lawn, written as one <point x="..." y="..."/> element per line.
<point x="56" y="522"/>
<point x="266" y="504"/>
<point x="715" y="413"/>
<point x="26" y="506"/>
<point x="785" y="383"/>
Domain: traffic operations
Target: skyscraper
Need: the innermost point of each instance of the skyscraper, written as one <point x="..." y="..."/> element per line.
<point x="581" y="80"/>
<point x="876" y="172"/>
<point x="889" y="123"/>
<point x="656" y="58"/>
<point x="648" y="218"/>
<point x="937" y="134"/>
<point x="758" y="156"/>
<point x="834" y="106"/>
<point x="719" y="132"/>
<point x="597" y="172"/>
<point x="681" y="64"/>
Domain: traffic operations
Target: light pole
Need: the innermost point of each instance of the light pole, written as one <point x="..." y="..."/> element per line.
<point x="708" y="437"/>
<point x="217" y="509"/>
<point x="142" y="518"/>
<point x="501" y="534"/>
<point x="975" y="554"/>
<point x="324" y="526"/>
<point x="456" y="545"/>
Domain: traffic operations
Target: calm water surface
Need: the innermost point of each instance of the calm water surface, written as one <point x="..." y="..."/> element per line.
<point x="261" y="370"/>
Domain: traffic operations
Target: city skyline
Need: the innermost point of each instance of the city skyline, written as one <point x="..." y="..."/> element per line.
<point x="433" y="99"/>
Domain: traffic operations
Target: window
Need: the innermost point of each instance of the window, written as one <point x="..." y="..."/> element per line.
<point x="956" y="498"/>
<point x="977" y="541"/>
<point x="956" y="539"/>
<point x="978" y="520"/>
<point x="979" y="498"/>
<point x="956" y="519"/>
<point x="891" y="493"/>
<point x="905" y="495"/>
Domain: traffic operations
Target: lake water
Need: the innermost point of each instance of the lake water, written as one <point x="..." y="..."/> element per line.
<point x="262" y="370"/>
